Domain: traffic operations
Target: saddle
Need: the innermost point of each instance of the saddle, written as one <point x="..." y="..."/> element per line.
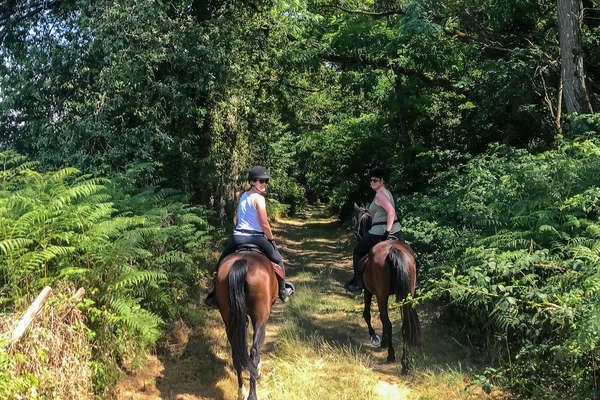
<point x="362" y="263"/>
<point x="249" y="247"/>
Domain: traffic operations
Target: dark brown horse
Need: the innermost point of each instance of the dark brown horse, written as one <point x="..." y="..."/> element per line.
<point x="245" y="285"/>
<point x="389" y="268"/>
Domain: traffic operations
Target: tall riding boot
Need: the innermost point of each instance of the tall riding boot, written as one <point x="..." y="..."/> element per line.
<point x="356" y="284"/>
<point x="285" y="289"/>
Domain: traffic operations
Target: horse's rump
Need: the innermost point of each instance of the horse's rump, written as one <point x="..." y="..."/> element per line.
<point x="260" y="283"/>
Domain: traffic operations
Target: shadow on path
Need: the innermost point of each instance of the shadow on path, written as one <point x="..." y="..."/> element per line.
<point x="317" y="251"/>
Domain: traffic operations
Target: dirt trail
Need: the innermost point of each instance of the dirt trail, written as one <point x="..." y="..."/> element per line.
<point x="317" y="252"/>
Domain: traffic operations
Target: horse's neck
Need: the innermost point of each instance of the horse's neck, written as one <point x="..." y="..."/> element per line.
<point x="365" y="223"/>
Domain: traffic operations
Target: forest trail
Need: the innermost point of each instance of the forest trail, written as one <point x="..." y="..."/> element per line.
<point x="317" y="345"/>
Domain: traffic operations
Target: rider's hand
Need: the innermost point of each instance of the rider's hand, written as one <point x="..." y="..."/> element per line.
<point x="386" y="234"/>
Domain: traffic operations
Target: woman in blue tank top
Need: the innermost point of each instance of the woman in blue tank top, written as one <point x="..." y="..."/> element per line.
<point x="252" y="227"/>
<point x="384" y="223"/>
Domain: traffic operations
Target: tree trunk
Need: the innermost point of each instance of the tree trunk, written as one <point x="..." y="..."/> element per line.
<point x="576" y="99"/>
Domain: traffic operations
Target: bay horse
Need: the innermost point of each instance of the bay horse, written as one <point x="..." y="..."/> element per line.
<point x="389" y="268"/>
<point x="246" y="285"/>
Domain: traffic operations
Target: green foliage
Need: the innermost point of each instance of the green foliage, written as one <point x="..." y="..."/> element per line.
<point x="511" y="240"/>
<point x="189" y="95"/>
<point x="135" y="250"/>
<point x="10" y="386"/>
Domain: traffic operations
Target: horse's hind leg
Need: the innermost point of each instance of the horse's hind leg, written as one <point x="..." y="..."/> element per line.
<point x="259" y="339"/>
<point x="242" y="393"/>
<point x="375" y="340"/>
<point x="382" y="303"/>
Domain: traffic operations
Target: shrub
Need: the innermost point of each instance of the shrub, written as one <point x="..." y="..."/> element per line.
<point x="510" y="239"/>
<point x="134" y="248"/>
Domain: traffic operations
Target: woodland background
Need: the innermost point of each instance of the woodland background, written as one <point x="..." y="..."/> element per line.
<point x="127" y="127"/>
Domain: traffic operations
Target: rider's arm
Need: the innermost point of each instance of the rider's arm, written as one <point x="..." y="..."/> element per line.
<point x="235" y="217"/>
<point x="261" y="209"/>
<point x="382" y="200"/>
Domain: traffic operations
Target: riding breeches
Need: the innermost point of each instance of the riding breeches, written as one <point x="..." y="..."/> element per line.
<point x="268" y="247"/>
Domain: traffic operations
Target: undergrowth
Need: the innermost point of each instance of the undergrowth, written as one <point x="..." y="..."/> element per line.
<point x="138" y="250"/>
<point x="511" y="241"/>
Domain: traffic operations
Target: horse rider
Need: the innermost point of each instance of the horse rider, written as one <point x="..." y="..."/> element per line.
<point x="384" y="224"/>
<point x="252" y="227"/>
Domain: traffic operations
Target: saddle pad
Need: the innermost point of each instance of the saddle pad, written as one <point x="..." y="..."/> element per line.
<point x="278" y="270"/>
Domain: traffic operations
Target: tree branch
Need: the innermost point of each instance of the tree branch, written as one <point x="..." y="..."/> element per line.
<point x="374" y="14"/>
<point x="428" y="81"/>
<point x="13" y="14"/>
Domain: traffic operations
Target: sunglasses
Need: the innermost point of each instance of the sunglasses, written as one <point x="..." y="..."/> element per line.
<point x="262" y="180"/>
<point x="374" y="179"/>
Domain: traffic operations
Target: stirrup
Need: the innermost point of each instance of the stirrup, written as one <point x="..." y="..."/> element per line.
<point x="290" y="286"/>
<point x="284" y="294"/>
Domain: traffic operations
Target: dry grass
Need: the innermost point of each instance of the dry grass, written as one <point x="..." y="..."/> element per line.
<point x="318" y="370"/>
<point x="52" y="360"/>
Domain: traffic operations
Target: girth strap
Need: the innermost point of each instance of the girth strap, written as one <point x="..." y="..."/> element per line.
<point x="384" y="223"/>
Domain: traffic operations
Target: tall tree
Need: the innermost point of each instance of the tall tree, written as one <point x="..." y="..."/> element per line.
<point x="576" y="98"/>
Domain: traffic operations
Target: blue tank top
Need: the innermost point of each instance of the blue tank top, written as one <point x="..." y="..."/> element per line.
<point x="247" y="216"/>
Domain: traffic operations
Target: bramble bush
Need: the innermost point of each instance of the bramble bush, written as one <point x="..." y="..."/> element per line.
<point x="511" y="240"/>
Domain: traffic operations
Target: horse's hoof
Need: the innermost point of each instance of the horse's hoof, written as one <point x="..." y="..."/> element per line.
<point x="375" y="340"/>
<point x="404" y="371"/>
<point x="391" y="359"/>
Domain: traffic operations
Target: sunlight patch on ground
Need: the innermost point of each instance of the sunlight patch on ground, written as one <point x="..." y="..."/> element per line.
<point x="322" y="240"/>
<point x="301" y="222"/>
<point x="387" y="391"/>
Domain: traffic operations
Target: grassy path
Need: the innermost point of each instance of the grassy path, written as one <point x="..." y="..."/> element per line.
<point x="317" y="345"/>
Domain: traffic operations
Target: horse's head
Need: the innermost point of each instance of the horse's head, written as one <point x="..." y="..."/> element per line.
<point x="361" y="221"/>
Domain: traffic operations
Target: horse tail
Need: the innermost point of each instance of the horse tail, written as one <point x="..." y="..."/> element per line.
<point x="398" y="266"/>
<point x="411" y="327"/>
<point x="237" y="331"/>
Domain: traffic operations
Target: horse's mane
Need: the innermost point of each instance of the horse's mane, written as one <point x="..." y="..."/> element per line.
<point x="364" y="221"/>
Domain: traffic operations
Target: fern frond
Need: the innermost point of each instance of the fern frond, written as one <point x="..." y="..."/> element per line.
<point x="10" y="245"/>
<point x="136" y="318"/>
<point x="132" y="278"/>
<point x="61" y="175"/>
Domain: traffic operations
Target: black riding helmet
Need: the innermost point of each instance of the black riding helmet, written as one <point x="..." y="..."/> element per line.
<point x="258" y="172"/>
<point x="380" y="173"/>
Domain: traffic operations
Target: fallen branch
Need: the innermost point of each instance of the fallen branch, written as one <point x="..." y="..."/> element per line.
<point x="30" y="314"/>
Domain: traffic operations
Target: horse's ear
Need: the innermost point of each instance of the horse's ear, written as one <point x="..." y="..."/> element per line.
<point x="356" y="208"/>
